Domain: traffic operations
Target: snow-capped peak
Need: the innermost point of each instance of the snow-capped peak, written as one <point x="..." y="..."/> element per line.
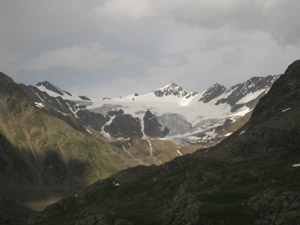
<point x="217" y="86"/>
<point x="54" y="91"/>
<point x="187" y="117"/>
<point x="213" y="92"/>
<point x="49" y="86"/>
<point x="170" y="89"/>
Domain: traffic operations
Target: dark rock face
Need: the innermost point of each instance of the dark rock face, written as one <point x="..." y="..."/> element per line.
<point x="191" y="95"/>
<point x="177" y="124"/>
<point x="239" y="91"/>
<point x="68" y="118"/>
<point x="123" y="125"/>
<point x="95" y="120"/>
<point x="87" y="118"/>
<point x="50" y="87"/>
<point x="58" y="103"/>
<point x="249" y="178"/>
<point x="31" y="92"/>
<point x="84" y="98"/>
<point x="213" y="92"/>
<point x="153" y="127"/>
<point x="172" y="89"/>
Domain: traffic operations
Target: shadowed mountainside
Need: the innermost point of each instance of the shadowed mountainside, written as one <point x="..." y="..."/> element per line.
<point x="42" y="158"/>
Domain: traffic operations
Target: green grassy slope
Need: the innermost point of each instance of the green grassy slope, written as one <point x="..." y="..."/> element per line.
<point x="43" y="158"/>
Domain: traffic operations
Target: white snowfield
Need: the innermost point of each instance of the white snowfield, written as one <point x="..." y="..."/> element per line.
<point x="183" y="114"/>
<point x="65" y="96"/>
<point x="285" y="110"/>
<point x="192" y="110"/>
<point x="250" y="97"/>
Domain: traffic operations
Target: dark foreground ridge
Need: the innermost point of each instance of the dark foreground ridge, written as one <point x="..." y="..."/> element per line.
<point x="250" y="178"/>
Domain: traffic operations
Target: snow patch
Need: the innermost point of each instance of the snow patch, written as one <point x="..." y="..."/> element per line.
<point x="242" y="112"/>
<point x="116" y="184"/>
<point x="151" y="149"/>
<point x="250" y="97"/>
<point x="141" y="119"/>
<point x="71" y="110"/>
<point x="242" y="132"/>
<point x="284" y="110"/>
<point x="179" y="152"/>
<point x="107" y="135"/>
<point x="39" y="97"/>
<point x="296" y="165"/>
<point x="89" y="131"/>
<point x="129" y="153"/>
<point x="65" y="96"/>
<point x="39" y="105"/>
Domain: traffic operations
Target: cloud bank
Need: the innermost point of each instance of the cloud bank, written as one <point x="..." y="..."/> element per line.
<point x="115" y="47"/>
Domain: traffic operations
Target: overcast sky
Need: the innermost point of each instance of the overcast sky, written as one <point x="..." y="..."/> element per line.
<point x="116" y="47"/>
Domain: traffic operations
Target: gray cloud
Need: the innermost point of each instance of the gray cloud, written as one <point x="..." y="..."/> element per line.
<point x="123" y="46"/>
<point x="276" y="17"/>
<point x="89" y="57"/>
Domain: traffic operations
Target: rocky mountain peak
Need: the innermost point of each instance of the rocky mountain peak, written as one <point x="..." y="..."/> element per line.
<point x="283" y="96"/>
<point x="213" y="92"/>
<point x="50" y="87"/>
<point x="5" y="77"/>
<point x="293" y="70"/>
<point x="170" y="89"/>
<point x="43" y="83"/>
<point x="53" y="88"/>
<point x="255" y="85"/>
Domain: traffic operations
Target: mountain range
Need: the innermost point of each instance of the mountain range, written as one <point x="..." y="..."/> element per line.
<point x="54" y="144"/>
<point x="168" y="113"/>
<point x="252" y="177"/>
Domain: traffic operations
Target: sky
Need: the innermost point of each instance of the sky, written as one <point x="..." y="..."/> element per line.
<point x="111" y="48"/>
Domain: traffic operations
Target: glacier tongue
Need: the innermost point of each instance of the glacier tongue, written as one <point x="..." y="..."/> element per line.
<point x="176" y="123"/>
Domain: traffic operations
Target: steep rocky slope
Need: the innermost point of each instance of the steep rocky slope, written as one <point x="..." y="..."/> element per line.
<point x="252" y="177"/>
